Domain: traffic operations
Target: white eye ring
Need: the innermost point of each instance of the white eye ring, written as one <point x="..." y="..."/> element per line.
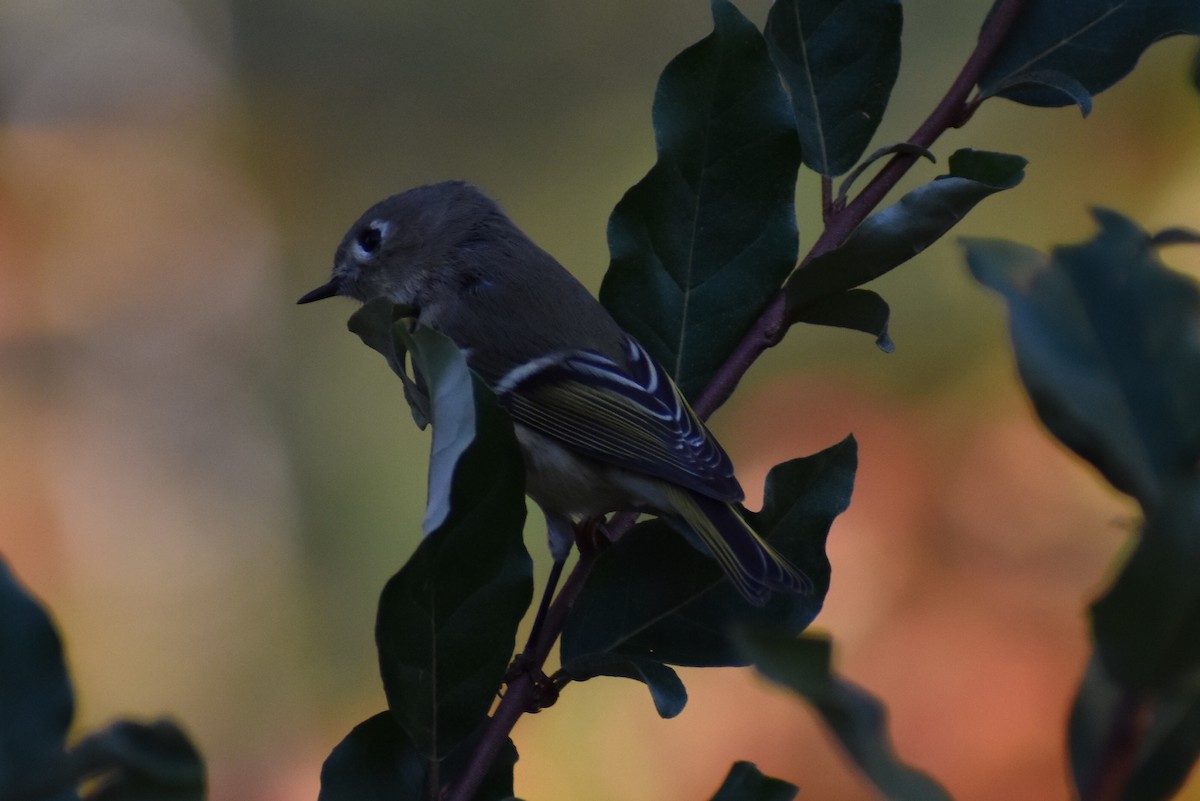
<point x="369" y="238"/>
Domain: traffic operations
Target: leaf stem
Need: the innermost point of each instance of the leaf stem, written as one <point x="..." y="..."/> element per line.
<point x="539" y="620"/>
<point x="1119" y="759"/>
<point x="953" y="110"/>
<point x="521" y="690"/>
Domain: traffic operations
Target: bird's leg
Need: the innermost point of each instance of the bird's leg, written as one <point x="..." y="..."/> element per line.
<point x="562" y="534"/>
<point x="545" y="691"/>
<point x="591" y="534"/>
<point x="543" y="607"/>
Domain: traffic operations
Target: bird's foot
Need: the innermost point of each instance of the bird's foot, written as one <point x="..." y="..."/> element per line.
<point x="591" y="534"/>
<point x="545" y="688"/>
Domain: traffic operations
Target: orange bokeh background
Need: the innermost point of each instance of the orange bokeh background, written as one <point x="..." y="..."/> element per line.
<point x="208" y="486"/>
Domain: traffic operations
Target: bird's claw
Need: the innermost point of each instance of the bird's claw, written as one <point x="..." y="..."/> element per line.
<point x="545" y="688"/>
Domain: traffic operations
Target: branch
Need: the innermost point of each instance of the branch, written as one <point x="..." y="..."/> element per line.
<point x="1119" y="758"/>
<point x="522" y="690"/>
<point x="952" y="111"/>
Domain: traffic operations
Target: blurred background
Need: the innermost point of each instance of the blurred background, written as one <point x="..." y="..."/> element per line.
<point x="209" y="485"/>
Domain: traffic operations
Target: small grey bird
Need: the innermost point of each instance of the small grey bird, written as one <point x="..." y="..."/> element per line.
<point x="602" y="427"/>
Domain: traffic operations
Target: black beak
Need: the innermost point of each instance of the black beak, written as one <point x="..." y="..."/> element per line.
<point x="322" y="292"/>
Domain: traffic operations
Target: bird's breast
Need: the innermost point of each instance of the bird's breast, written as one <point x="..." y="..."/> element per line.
<point x="567" y="484"/>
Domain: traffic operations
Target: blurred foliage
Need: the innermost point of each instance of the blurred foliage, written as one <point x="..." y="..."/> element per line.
<point x="858" y="720"/>
<point x="163" y="161"/>
<point x="1107" y="341"/>
<point x="700" y="245"/>
<point x="125" y="761"/>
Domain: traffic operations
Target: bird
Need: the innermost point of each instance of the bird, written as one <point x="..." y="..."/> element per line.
<point x="600" y="424"/>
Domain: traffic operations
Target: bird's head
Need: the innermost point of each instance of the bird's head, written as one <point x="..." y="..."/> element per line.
<point x="407" y="246"/>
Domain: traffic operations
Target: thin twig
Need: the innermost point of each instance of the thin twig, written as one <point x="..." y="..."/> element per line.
<point x="953" y="110"/>
<point x="521" y="690"/>
<point x="539" y="619"/>
<point x="1118" y="760"/>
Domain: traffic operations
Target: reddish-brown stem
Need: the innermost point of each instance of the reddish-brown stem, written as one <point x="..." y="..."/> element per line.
<point x="1119" y="757"/>
<point x="953" y="110"/>
<point x="521" y="690"/>
<point x="765" y="333"/>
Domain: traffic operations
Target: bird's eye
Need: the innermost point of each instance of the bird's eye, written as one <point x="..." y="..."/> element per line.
<point x="369" y="238"/>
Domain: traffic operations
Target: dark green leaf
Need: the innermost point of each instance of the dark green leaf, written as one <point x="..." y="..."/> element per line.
<point x="653" y="597"/>
<point x="891" y="237"/>
<point x="1093" y="42"/>
<point x="1071" y="89"/>
<point x="1146" y="625"/>
<point x="1104" y="720"/>
<point x="448" y="619"/>
<point x="746" y="783"/>
<point x="860" y="309"/>
<point x="666" y="689"/>
<point x="839" y="59"/>
<point x="36" y="704"/>
<point x="497" y="785"/>
<point x="1107" y="345"/>
<point x="375" y="323"/>
<point x="375" y="762"/>
<point x="900" y="147"/>
<point x="1175" y="236"/>
<point x="460" y="406"/>
<point x="857" y="719"/>
<point x="702" y="243"/>
<point x="1196" y="70"/>
<point x="130" y="761"/>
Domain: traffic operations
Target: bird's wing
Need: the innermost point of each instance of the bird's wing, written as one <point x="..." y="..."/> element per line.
<point x="633" y="417"/>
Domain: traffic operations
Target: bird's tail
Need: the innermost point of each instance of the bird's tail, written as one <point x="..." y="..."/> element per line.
<point x="753" y="566"/>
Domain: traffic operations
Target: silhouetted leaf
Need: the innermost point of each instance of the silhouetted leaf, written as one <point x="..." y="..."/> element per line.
<point x="666" y="689"/>
<point x="746" y="783"/>
<point x="448" y="619"/>
<point x="1146" y="625"/>
<point x="36" y="703"/>
<point x="839" y="59"/>
<point x="860" y="309"/>
<point x="856" y="718"/>
<point x="891" y="237"/>
<point x="891" y="150"/>
<point x="1094" y="43"/>
<point x="1175" y="236"/>
<point x="1108" y="346"/>
<point x="497" y="784"/>
<point x="374" y="323"/>
<point x="375" y="762"/>
<point x="130" y="761"/>
<point x="701" y="244"/>
<point x="1053" y="81"/>
<point x="654" y="597"/>
<point x="1168" y="748"/>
